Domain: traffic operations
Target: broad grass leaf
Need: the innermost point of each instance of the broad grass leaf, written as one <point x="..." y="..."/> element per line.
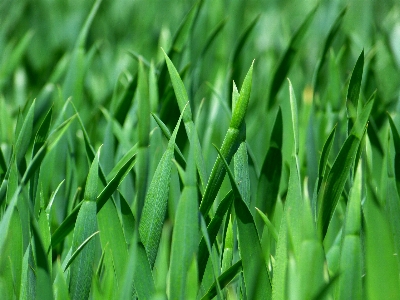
<point x="229" y="145"/>
<point x="287" y="59"/>
<point x="155" y="206"/>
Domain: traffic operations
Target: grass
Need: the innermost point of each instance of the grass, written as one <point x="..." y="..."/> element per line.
<point x="200" y="150"/>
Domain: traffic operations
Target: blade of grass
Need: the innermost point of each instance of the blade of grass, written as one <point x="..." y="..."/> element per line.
<point x="224" y="279"/>
<point x="350" y="279"/>
<point x="229" y="145"/>
<point x="185" y="238"/>
<point x="287" y="59"/>
<point x="182" y="98"/>
<point x="257" y="281"/>
<point x="212" y="231"/>
<point x="353" y="91"/>
<point x="333" y="185"/>
<point x="81" y="270"/>
<point x="155" y="205"/>
<point x="143" y="130"/>
<point x="333" y="31"/>
<point x="269" y="180"/>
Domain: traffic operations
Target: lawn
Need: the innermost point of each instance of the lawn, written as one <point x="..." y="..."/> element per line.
<point x="199" y="149"/>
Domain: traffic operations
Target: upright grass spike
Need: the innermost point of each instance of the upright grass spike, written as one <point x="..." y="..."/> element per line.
<point x="155" y="205"/>
<point x="229" y="145"/>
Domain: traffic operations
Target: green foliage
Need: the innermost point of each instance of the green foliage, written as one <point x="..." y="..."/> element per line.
<point x="279" y="190"/>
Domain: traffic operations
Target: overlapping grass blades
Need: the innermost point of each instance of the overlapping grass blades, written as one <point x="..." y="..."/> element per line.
<point x="229" y="146"/>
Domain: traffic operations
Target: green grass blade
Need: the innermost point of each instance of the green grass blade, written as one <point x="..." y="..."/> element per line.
<point x="81" y="269"/>
<point x="295" y="118"/>
<point x="182" y="98"/>
<point x="382" y="268"/>
<point x="185" y="238"/>
<point x="180" y="159"/>
<point x="396" y="142"/>
<point x="287" y="59"/>
<point x="25" y="135"/>
<point x="323" y="162"/>
<point x="229" y="145"/>
<point x="212" y="230"/>
<point x="78" y="250"/>
<point x="332" y="187"/>
<point x="86" y="224"/>
<point x="279" y="290"/>
<point x="270" y="176"/>
<point x="353" y="91"/>
<point x="241" y="42"/>
<point x="155" y="206"/>
<point x="11" y="259"/>
<point x="43" y="276"/>
<point x="333" y="31"/>
<point x="257" y="281"/>
<point x="120" y="172"/>
<point x="32" y="167"/>
<point x="212" y="36"/>
<point x="270" y="226"/>
<point x="351" y="256"/>
<point x="224" y="279"/>
<point x="143" y="130"/>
